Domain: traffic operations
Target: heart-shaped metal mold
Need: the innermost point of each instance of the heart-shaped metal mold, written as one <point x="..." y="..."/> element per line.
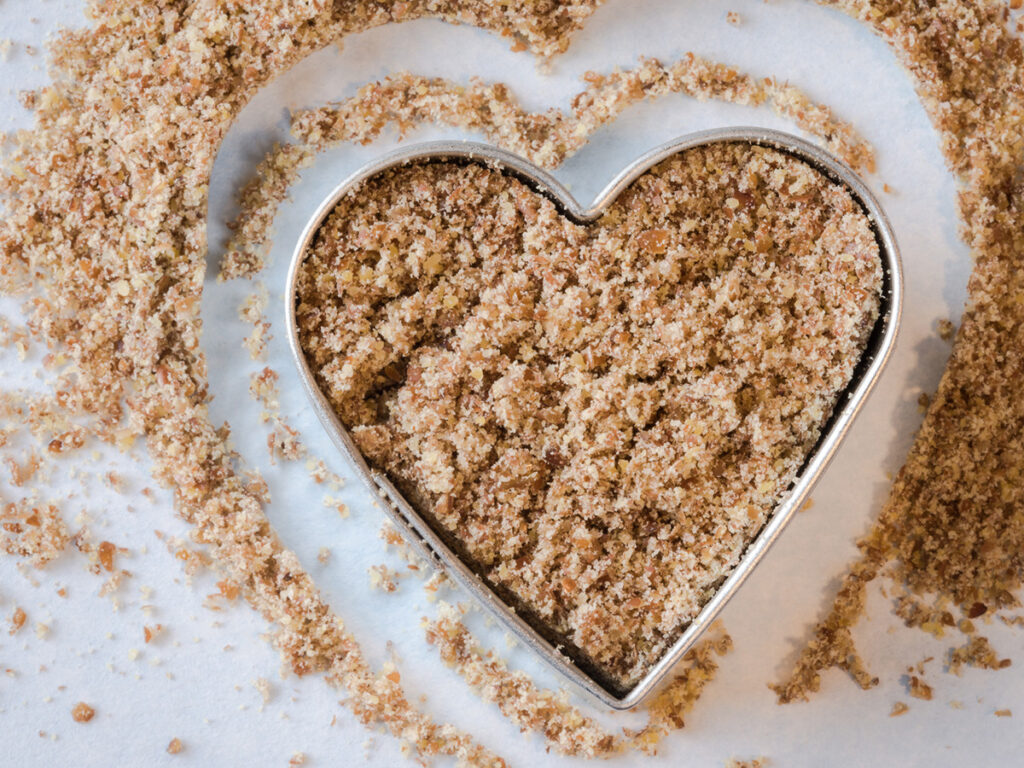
<point x="432" y="543"/>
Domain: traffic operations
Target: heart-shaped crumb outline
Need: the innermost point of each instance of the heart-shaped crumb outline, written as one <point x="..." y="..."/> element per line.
<point x="432" y="542"/>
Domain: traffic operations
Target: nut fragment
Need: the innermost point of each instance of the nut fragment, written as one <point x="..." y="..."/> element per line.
<point x="82" y="712"/>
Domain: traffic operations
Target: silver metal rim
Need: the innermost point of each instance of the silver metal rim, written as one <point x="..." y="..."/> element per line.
<point x="423" y="538"/>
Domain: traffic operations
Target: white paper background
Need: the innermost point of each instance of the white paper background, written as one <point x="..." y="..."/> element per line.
<point x="187" y="685"/>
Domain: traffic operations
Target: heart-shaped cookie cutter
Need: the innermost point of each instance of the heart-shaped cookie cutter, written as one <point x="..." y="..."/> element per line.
<point x="432" y="544"/>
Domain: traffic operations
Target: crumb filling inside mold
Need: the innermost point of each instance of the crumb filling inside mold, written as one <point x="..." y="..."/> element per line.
<point x="599" y="418"/>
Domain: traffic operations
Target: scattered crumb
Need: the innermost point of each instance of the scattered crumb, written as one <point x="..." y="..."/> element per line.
<point x="899" y="708"/>
<point x="383" y="578"/>
<point x="37" y="532"/>
<point x="919" y="689"/>
<point x="82" y="712"/>
<point x="262" y="686"/>
<point x="175" y="746"/>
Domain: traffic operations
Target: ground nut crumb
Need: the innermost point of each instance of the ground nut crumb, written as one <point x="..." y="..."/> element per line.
<point x="175" y="746"/>
<point x="899" y="708"/>
<point x="560" y="398"/>
<point x="959" y="52"/>
<point x="668" y="710"/>
<point x="18" y="619"/>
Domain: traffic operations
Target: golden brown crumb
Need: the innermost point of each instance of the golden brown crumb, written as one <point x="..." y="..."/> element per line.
<point x="957" y="50"/>
<point x="18" y="619"/>
<point x="567" y="729"/>
<point x="669" y="708"/>
<point x="734" y="18"/>
<point x="105" y="552"/>
<point x="82" y="712"/>
<point x="757" y="762"/>
<point x="946" y="330"/>
<point x="23" y="472"/>
<point x="1003" y="713"/>
<point x="559" y="416"/>
<point x="977" y="652"/>
<point x="919" y="689"/>
<point x="35" y="532"/>
<point x="383" y="578"/>
<point x="175" y="746"/>
<point x="899" y="708"/>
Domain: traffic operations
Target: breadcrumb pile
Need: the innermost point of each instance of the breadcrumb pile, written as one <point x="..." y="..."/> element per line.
<point x="36" y="532"/>
<point x="602" y="417"/>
